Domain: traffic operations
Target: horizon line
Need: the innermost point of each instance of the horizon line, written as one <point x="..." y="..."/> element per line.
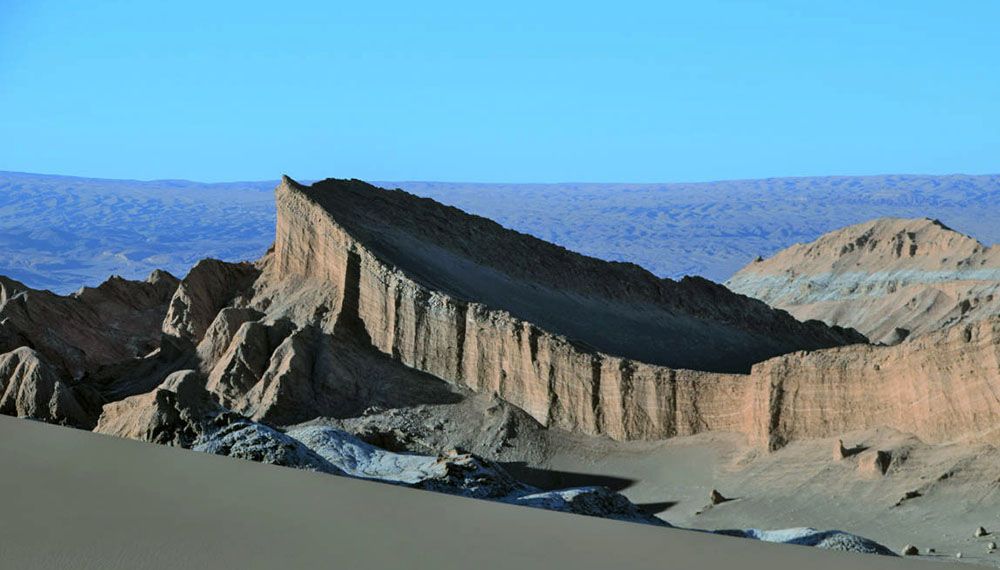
<point x="501" y="183"/>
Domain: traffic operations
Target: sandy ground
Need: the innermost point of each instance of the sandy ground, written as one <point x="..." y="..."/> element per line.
<point x="803" y="485"/>
<point x="73" y="499"/>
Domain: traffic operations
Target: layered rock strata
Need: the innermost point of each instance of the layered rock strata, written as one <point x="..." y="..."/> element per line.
<point x="419" y="273"/>
<point x="343" y="260"/>
<point x="890" y="278"/>
<point x="378" y="298"/>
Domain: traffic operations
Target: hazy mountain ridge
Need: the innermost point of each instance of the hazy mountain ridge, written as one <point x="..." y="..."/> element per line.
<point x="713" y="229"/>
<point x="62" y="232"/>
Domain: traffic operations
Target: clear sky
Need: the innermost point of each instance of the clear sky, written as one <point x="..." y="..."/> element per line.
<point x="499" y="91"/>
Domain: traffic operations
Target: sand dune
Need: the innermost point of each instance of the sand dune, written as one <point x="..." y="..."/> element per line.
<point x="79" y="500"/>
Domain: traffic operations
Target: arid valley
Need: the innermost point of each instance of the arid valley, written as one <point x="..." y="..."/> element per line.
<point x="839" y="394"/>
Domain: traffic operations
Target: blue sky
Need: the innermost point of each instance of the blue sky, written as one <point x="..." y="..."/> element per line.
<point x="499" y="91"/>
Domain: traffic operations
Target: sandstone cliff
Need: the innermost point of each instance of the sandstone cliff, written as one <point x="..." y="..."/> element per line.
<point x="422" y="271"/>
<point x="377" y="298"/>
<point x="366" y="289"/>
<point x="342" y="272"/>
<point x="889" y="278"/>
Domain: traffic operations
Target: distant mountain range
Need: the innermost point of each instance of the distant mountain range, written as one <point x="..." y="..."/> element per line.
<point x="61" y="232"/>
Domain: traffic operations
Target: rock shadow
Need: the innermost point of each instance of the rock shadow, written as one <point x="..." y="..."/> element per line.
<point x="552" y="479"/>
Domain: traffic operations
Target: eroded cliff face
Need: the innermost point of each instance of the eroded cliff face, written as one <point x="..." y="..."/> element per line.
<point x="889" y="278"/>
<point x="321" y="276"/>
<point x="339" y="275"/>
<point x="418" y="266"/>
<point x="357" y="307"/>
<point x="942" y="387"/>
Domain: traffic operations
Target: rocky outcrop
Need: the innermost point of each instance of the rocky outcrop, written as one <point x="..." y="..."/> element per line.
<point x="248" y="356"/>
<point x="458" y="473"/>
<point x="588" y="501"/>
<point x="825" y="539"/>
<point x="210" y="286"/>
<point x="374" y="298"/>
<point x="174" y="413"/>
<point x="30" y="388"/>
<point x="93" y="327"/>
<point x="180" y="412"/>
<point x="890" y="278"/>
<point x="237" y="437"/>
<point x="451" y="472"/>
<point x="462" y="299"/>
<point x="416" y="274"/>
<point x="428" y="287"/>
<point x="280" y="374"/>
<point x="220" y="334"/>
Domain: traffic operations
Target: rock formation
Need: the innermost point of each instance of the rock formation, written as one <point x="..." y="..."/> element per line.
<point x="889" y="278"/>
<point x="174" y="413"/>
<point x="375" y="279"/>
<point x="374" y="302"/>
<point x="210" y="286"/>
<point x="93" y="327"/>
<point x="830" y="539"/>
<point x="378" y="298"/>
<point x="182" y="413"/>
<point x="428" y="283"/>
<point x="30" y="388"/>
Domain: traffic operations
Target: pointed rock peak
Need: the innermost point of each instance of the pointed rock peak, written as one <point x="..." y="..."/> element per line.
<point x="289" y="182"/>
<point x="161" y="276"/>
<point x="940" y="224"/>
<point x="210" y="286"/>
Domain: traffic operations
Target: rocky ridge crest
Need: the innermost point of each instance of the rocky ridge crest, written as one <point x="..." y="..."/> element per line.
<point x="890" y="278"/>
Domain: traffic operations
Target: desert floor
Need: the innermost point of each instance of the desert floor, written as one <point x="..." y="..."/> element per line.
<point x="73" y="499"/>
<point x="804" y="485"/>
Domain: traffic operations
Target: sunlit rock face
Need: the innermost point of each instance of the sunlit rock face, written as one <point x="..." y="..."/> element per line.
<point x="890" y="278"/>
<point x="377" y="298"/>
